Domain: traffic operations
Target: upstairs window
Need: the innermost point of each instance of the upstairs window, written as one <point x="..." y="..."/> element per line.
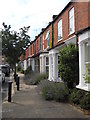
<point x="47" y="38"/>
<point x="33" y="49"/>
<point x="40" y="43"/>
<point x="60" y="30"/>
<point x="43" y="42"/>
<point x="71" y="21"/>
<point x="37" y="45"/>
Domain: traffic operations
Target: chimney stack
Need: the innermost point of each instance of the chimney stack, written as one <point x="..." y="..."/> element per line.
<point x="49" y="22"/>
<point x="35" y="37"/>
<point x="54" y="16"/>
<point x="43" y="29"/>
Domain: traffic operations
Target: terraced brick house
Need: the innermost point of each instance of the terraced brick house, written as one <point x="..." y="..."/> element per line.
<point x="71" y="25"/>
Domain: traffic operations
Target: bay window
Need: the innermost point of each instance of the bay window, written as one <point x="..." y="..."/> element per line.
<point x="47" y="64"/>
<point x="87" y="61"/>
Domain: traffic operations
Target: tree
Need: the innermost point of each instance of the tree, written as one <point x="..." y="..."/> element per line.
<point x="69" y="65"/>
<point x="14" y="43"/>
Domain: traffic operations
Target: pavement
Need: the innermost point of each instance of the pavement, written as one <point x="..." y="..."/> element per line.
<point x="28" y="103"/>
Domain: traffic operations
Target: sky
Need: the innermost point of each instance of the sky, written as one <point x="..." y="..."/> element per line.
<point x="34" y="13"/>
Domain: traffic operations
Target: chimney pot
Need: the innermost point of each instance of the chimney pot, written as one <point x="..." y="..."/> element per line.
<point x="54" y="16"/>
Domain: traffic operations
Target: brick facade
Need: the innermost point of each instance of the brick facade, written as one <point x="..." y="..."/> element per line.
<point x="81" y="21"/>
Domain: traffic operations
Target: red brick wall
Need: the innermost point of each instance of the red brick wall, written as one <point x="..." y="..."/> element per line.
<point x="81" y="15"/>
<point x="26" y="54"/>
<point x="32" y="49"/>
<point x="29" y="51"/>
<point x="81" y="20"/>
<point x="89" y="13"/>
<point x="45" y="41"/>
<point x="45" y="32"/>
<point x="36" y="46"/>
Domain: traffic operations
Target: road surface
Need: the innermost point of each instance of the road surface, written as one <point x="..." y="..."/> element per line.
<point x="5" y="88"/>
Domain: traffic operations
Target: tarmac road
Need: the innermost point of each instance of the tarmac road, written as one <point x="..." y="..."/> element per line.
<point x="5" y="88"/>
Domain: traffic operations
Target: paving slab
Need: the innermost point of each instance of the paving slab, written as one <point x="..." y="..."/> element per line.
<point x="28" y="103"/>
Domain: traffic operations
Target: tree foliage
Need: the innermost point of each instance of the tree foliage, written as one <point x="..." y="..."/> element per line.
<point x="69" y="65"/>
<point x="14" y="43"/>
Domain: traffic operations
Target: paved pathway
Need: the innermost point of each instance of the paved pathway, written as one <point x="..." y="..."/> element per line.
<point x="27" y="103"/>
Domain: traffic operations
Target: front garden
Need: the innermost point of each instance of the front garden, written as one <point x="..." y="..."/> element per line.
<point x="66" y="90"/>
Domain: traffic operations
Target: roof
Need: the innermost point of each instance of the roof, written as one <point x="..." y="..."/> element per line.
<point x="54" y="19"/>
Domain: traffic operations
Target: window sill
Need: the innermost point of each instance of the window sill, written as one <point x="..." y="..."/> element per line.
<point x="48" y="47"/>
<point x="59" y="40"/>
<point x="85" y="87"/>
<point x="71" y="33"/>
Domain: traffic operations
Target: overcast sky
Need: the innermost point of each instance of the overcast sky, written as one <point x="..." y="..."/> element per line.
<point x="34" y="13"/>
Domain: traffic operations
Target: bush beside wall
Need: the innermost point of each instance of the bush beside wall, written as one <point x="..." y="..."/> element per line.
<point x="57" y="91"/>
<point x="69" y="65"/>
<point x="80" y="98"/>
<point x="28" y="70"/>
<point x="32" y="78"/>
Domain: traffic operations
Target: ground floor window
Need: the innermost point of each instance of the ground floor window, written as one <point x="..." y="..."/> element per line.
<point x="27" y="63"/>
<point x="47" y="64"/>
<point x="31" y="63"/>
<point x="41" y="65"/>
<point x="58" y="66"/>
<point x="87" y="60"/>
<point x="52" y="65"/>
<point x="36" y="65"/>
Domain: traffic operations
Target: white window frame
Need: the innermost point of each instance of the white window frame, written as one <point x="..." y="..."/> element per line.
<point x="40" y="43"/>
<point x="71" y="21"/>
<point x="48" y="62"/>
<point x="43" y="42"/>
<point x="52" y="65"/>
<point x="58" y="66"/>
<point x="87" y="62"/>
<point x="37" y="46"/>
<point x="36" y="65"/>
<point x="59" y="30"/>
<point x="47" y="38"/>
<point x="41" y="64"/>
<point x="33" y="48"/>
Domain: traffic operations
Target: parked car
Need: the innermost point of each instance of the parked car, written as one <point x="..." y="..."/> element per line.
<point x="2" y="76"/>
<point x="6" y="70"/>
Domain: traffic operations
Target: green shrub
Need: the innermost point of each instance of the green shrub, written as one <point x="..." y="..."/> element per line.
<point x="57" y="91"/>
<point x="76" y="96"/>
<point x="85" y="102"/>
<point x="21" y="71"/>
<point x="32" y="78"/>
<point x="69" y="65"/>
<point x="28" y="70"/>
<point x="18" y="68"/>
<point x="61" y="92"/>
<point x="48" y="92"/>
<point x="40" y="77"/>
